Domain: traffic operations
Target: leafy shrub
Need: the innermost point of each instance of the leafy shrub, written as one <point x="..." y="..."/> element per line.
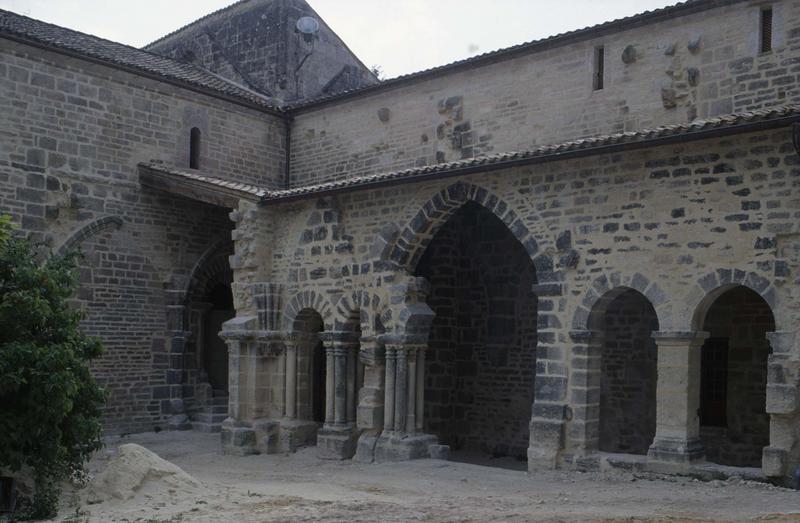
<point x="49" y="402"/>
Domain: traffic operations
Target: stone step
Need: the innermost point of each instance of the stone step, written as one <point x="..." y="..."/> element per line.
<point x="207" y="417"/>
<point x="206" y="427"/>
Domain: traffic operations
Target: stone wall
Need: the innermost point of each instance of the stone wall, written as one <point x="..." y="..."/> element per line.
<point x="71" y="136"/>
<point x="694" y="66"/>
<point x="481" y="358"/>
<point x="743" y="318"/>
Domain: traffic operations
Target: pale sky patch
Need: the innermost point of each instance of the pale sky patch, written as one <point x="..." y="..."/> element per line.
<point x="401" y="36"/>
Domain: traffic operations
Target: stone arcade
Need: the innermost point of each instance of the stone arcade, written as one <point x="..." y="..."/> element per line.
<point x="575" y="251"/>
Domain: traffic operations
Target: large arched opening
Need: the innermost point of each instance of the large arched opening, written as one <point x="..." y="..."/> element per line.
<point x="622" y="323"/>
<point x="734" y="424"/>
<point x="480" y="364"/>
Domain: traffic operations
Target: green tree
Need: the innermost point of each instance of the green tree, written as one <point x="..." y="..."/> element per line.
<point x="49" y="402"/>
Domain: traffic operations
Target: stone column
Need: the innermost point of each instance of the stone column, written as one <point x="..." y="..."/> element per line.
<point x="585" y="375"/>
<point x="329" y="383"/>
<point x="340" y="385"/>
<point x="388" y="400"/>
<point x="420" y="407"/>
<point x="781" y="457"/>
<point x="291" y="379"/>
<point x="400" y="388"/>
<point x="372" y="392"/>
<point x="411" y="402"/>
<point x="677" y="440"/>
<point x="352" y="356"/>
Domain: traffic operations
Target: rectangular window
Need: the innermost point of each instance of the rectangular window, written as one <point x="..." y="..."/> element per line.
<point x="599" y="67"/>
<point x="766" y="30"/>
<point x="714" y="383"/>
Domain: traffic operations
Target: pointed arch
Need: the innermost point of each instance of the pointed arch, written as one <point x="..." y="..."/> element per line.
<point x="406" y="246"/>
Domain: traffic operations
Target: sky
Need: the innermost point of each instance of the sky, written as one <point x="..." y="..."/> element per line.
<point x="399" y="36"/>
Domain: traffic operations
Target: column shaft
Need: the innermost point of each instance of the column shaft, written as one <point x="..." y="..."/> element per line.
<point x="291" y="381"/>
<point x="420" y="410"/>
<point x="401" y="384"/>
<point x="351" y="384"/>
<point x="329" y="385"/>
<point x="411" y="403"/>
<point x="340" y="386"/>
<point x="389" y="386"/>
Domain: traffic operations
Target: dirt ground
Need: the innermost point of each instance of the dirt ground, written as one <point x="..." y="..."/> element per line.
<point x="300" y="487"/>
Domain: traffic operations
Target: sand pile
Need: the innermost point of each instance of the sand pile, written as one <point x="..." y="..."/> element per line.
<point x="136" y="470"/>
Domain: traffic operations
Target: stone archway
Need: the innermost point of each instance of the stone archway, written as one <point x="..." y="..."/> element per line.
<point x="733" y="416"/>
<point x="407" y="246"/>
<point x="480" y="363"/>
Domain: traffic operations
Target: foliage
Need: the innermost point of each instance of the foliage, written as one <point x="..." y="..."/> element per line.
<point x="50" y="420"/>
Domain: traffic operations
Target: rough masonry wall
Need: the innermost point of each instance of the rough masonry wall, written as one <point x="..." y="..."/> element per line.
<point x="701" y="65"/>
<point x="674" y="222"/>
<point x="628" y="375"/>
<point x="481" y="358"/>
<point x="743" y="318"/>
<point x="71" y="135"/>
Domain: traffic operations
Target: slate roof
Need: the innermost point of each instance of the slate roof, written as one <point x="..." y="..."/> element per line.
<point x="700" y="129"/>
<point x="36" y="32"/>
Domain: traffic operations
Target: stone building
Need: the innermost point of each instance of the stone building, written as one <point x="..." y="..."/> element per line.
<point x="578" y="250"/>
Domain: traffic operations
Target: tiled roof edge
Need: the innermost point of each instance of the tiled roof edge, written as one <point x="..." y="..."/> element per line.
<point x="702" y="129"/>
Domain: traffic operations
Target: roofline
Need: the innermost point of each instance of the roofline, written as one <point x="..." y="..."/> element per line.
<point x="455" y="171"/>
<point x="141" y="72"/>
<point x="196" y="22"/>
<point x="508" y="53"/>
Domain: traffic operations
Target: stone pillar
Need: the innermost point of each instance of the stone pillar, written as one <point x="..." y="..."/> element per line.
<point x="400" y="389"/>
<point x="585" y="373"/>
<point x="329" y="383"/>
<point x="388" y="401"/>
<point x="420" y="409"/>
<point x="340" y="385"/>
<point x="291" y="379"/>
<point x="351" y="379"/>
<point x="677" y="442"/>
<point x="371" y="395"/>
<point x="411" y="402"/>
<point x="782" y="456"/>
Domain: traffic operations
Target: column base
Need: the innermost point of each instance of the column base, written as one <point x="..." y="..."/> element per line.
<point x="238" y="439"/>
<point x="401" y="447"/>
<point x="674" y="454"/>
<point x="336" y="443"/>
<point x="295" y="434"/>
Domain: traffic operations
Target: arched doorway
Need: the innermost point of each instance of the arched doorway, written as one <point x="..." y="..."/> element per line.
<point x="734" y="424"/>
<point x="622" y="324"/>
<point x="215" y="352"/>
<point x="312" y="369"/>
<point x="481" y="359"/>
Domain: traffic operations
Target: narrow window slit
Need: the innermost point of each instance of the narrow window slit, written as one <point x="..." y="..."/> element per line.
<point x="599" y="67"/>
<point x="766" y="30"/>
<point x="194" y="148"/>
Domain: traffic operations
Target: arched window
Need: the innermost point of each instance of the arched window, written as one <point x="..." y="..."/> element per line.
<point x="194" y="148"/>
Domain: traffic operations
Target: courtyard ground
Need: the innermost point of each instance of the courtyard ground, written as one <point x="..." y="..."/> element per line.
<point x="300" y="487"/>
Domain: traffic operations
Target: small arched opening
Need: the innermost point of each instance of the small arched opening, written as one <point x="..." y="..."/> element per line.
<point x="194" y="148"/>
<point x="734" y="424"/>
<point x="219" y="298"/>
<point x="311" y="366"/>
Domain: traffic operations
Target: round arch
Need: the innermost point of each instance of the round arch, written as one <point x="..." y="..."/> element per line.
<point x="308" y="300"/>
<point x="714" y="284"/>
<point x="87" y="231"/>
